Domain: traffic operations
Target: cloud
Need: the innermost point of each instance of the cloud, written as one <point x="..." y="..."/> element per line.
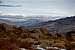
<point x="9" y="5"/>
<point x="39" y="7"/>
<point x="1" y="2"/>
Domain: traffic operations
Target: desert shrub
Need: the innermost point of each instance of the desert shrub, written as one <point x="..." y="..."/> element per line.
<point x="6" y="44"/>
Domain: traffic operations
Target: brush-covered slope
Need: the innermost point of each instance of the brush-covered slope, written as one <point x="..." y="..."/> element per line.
<point x="13" y="37"/>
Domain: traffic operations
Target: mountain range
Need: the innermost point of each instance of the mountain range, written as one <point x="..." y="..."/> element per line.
<point x="59" y="25"/>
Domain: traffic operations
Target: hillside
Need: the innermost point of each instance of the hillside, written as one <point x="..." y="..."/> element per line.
<point x="62" y="25"/>
<point x="13" y="37"/>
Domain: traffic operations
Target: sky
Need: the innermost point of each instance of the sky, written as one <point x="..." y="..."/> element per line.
<point x="37" y="7"/>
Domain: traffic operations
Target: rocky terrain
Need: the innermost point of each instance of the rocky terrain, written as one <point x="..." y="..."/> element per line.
<point x="13" y="37"/>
